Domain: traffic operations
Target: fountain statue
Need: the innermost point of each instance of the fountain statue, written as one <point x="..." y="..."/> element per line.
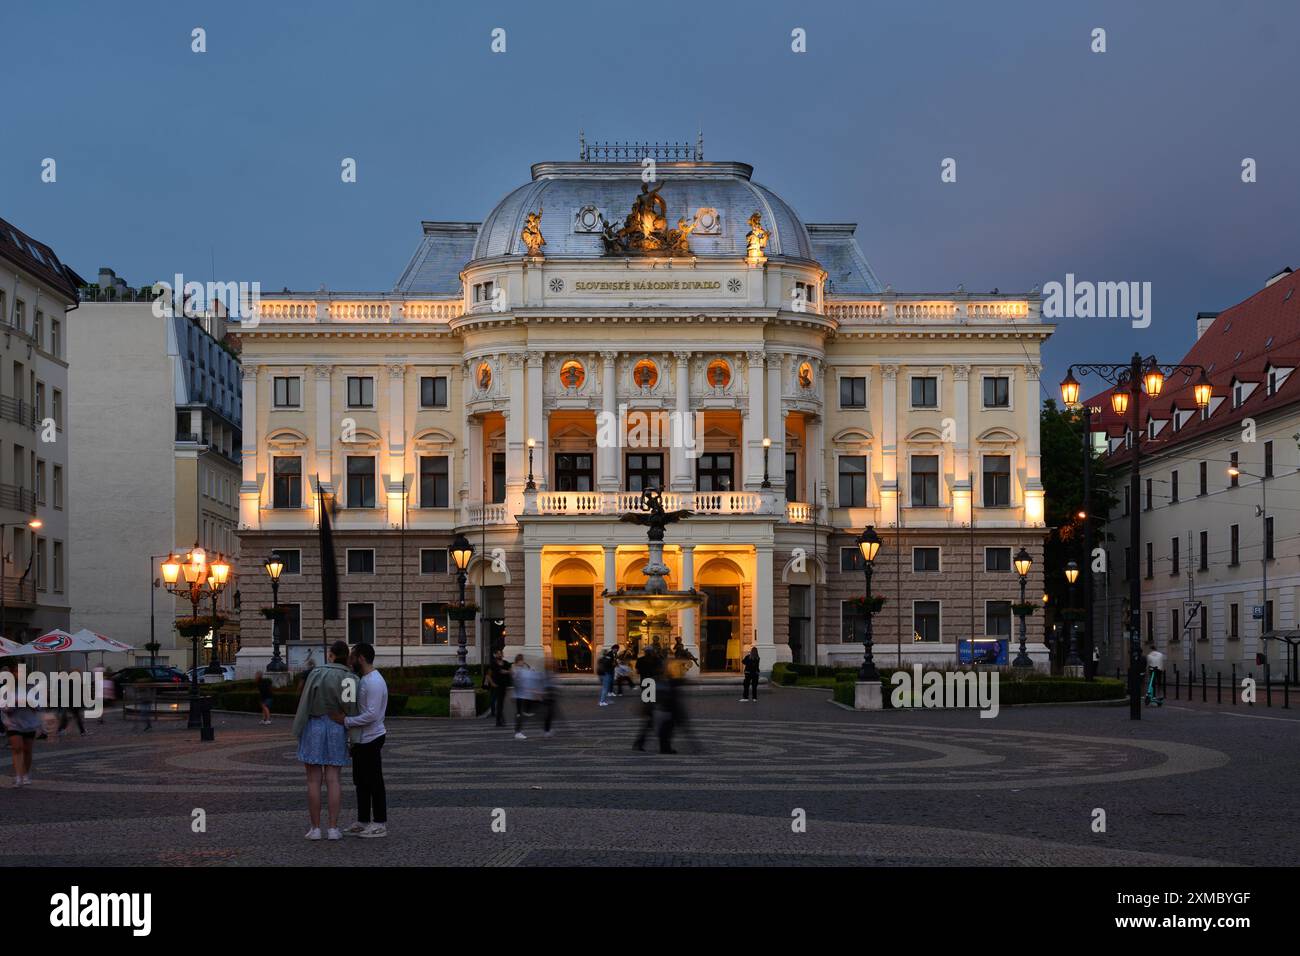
<point x="653" y="599"/>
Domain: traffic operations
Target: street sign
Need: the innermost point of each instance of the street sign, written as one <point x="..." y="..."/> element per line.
<point x="1257" y="612"/>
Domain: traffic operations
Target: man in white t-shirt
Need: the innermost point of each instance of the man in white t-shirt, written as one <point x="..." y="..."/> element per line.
<point x="366" y="734"/>
<point x="1156" y="666"/>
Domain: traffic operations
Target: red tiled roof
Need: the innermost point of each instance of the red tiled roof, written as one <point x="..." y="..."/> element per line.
<point x="1240" y="345"/>
<point x="38" y="259"/>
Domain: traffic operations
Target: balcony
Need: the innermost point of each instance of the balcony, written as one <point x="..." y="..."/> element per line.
<point x="19" y="590"/>
<point x="17" y="499"/>
<point x="16" y="410"/>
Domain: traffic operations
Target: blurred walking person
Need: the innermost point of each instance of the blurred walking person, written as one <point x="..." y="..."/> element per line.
<point x="76" y="713"/>
<point x="668" y="704"/>
<point x="606" y="665"/>
<point x="366" y="732"/>
<point x="528" y="691"/>
<point x="498" y="682"/>
<point x="322" y="743"/>
<point x="648" y="669"/>
<point x="550" y="700"/>
<point x="21" y="726"/>
<point x="264" y="694"/>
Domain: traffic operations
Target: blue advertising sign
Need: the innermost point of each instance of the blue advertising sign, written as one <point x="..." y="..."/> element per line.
<point x="988" y="650"/>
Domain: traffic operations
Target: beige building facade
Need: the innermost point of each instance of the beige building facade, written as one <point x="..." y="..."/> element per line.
<point x="524" y="393"/>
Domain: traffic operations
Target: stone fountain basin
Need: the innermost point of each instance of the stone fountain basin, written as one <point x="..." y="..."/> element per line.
<point x="653" y="605"/>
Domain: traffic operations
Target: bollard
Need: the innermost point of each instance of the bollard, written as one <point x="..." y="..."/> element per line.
<point x="1218" y="687"/>
<point x="1234" y="684"/>
<point x="1202" y="683"/>
<point x="1251" y="675"/>
<point x="1268" y="684"/>
<point x="1286" y="692"/>
<point x="1177" y="685"/>
<point x="206" y="731"/>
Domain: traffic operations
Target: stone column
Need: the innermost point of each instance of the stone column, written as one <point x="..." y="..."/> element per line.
<point x="324" y="438"/>
<point x="1034" y="504"/>
<point x="763" y="623"/>
<point x="682" y="463"/>
<point x="889" y="445"/>
<point x="776" y="427"/>
<point x="814" y="465"/>
<point x="516" y="420"/>
<point x="473" y="471"/>
<point x="532" y="647"/>
<point x="607" y="455"/>
<point x="689" y="625"/>
<point x="961" y="463"/>
<point x="249" y="488"/>
<point x="754" y="423"/>
<point x="396" y="443"/>
<point x="536" y="420"/>
<point x="611" y="585"/>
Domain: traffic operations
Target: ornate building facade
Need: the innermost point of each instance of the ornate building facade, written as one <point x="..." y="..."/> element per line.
<point x="529" y="375"/>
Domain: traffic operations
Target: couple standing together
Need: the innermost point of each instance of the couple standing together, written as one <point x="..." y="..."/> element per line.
<point x="342" y="709"/>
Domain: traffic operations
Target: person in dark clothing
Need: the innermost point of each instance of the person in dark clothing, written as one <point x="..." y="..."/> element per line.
<point x="498" y="681"/>
<point x="264" y="692"/>
<point x="668" y="704"/>
<point x="647" y="668"/>
<point x="751" y="674"/>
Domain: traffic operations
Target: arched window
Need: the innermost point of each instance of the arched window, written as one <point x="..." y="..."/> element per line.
<point x="719" y="373"/>
<point x="645" y="374"/>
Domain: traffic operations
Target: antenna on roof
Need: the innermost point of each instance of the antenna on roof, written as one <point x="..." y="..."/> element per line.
<point x="582" y="145"/>
<point x="699" y="144"/>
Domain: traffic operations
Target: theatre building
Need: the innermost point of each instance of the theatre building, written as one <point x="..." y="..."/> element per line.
<point x="596" y="335"/>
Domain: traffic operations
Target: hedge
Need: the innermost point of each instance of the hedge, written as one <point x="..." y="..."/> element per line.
<point x="1013" y="688"/>
<point x="434" y="702"/>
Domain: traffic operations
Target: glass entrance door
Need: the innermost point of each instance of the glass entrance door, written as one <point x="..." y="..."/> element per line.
<point x="720" y="629"/>
<point x="571" y="643"/>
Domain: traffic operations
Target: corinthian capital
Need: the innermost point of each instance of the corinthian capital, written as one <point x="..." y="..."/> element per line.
<point x="609" y="357"/>
<point x="889" y="371"/>
<point x="396" y="371"/>
<point x="961" y="373"/>
<point x="683" y="357"/>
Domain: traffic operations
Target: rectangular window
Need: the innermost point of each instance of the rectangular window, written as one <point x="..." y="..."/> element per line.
<point x="853" y="623"/>
<point x="925" y="481"/>
<point x="291" y="558"/>
<point x="433" y="561"/>
<point x="56" y="408"/>
<point x="435" y="481"/>
<point x="57" y="489"/>
<point x="361" y="560"/>
<point x="997" y="618"/>
<point x="1128" y="499"/>
<point x="1233" y="545"/>
<point x="1173" y="487"/>
<point x="1233" y="480"/>
<point x="40" y="481"/>
<point x="58" y="567"/>
<point x="1150" y="558"/>
<point x="997" y="392"/>
<point x="997" y="559"/>
<point x="434" y="624"/>
<point x="853" y="392"/>
<point x="925" y="392"/>
<point x="997" y="481"/>
<point x="56" y="338"/>
<point x="1204" y="563"/>
<point x="1268" y="617"/>
<point x="925" y="559"/>
<point x="1268" y="538"/>
<point x="1147" y="507"/>
<point x="361" y="481"/>
<point x="498" y="477"/>
<point x="1151" y="627"/>
<point x="361" y="391"/>
<point x="288" y="391"/>
<point x="645" y="471"/>
<point x="286" y="489"/>
<point x="573" y="471"/>
<point x="1204" y="479"/>
<point x="851" y="560"/>
<point x="361" y="623"/>
<point x="433" y="391"/>
<point x="853" y="481"/>
<point x="925" y="621"/>
<point x="1128" y="564"/>
<point x="1234" y="622"/>
<point x="40" y="564"/>
<point x="1175" y="625"/>
<point x="1173" y="555"/>
<point x="1205" y="623"/>
<point x="791" y="476"/>
<point x="1268" y="459"/>
<point x="713" y="471"/>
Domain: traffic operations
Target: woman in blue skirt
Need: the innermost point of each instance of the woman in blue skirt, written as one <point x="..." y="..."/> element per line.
<point x="322" y="743"/>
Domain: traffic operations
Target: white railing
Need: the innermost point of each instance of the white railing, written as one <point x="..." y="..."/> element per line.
<point x="360" y="311"/>
<point x="622" y="502"/>
<point x="293" y="310"/>
<point x="570" y="502"/>
<point x="487" y="514"/>
<point x="959" y="312"/>
<point x="799" y="512"/>
<point x="431" y="311"/>
<point x="378" y="311"/>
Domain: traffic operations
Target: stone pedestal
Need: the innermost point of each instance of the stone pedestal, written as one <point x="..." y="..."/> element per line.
<point x="462" y="702"/>
<point x="1073" y="670"/>
<point x="867" y="696"/>
<point x="279" y="678"/>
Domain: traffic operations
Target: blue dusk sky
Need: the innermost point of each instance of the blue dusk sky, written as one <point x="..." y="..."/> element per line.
<point x="1115" y="166"/>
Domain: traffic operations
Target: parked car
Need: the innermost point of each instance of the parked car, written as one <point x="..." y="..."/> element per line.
<point x="227" y="673"/>
<point x="149" y="674"/>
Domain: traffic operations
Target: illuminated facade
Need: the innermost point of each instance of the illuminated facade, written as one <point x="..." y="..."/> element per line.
<point x="529" y="374"/>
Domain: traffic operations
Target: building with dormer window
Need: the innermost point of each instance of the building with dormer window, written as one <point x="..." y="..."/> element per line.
<point x="596" y="335"/>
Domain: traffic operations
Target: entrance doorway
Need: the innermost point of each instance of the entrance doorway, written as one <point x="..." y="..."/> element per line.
<point x="720" y="628"/>
<point x="572" y="643"/>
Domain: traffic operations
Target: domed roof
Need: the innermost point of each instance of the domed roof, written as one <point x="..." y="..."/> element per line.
<point x="563" y="190"/>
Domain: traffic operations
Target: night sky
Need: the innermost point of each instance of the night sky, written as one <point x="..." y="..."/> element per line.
<point x="1115" y="166"/>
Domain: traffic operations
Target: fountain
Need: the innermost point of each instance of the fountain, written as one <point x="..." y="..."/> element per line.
<point x="654" y="599"/>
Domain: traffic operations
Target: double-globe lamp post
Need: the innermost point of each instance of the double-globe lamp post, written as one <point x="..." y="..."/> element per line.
<point x="869" y="546"/>
<point x="1072" y="658"/>
<point x="274" y="567"/>
<point x="1023" y="562"/>
<point x="461" y="552"/>
<point x="196" y="571"/>
<point x="1130" y="379"/>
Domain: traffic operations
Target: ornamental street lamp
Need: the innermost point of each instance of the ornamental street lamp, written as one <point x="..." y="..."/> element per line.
<point x="1072" y="658"/>
<point x="34" y="524"/>
<point x="461" y="552"/>
<point x="1130" y="379"/>
<point x="869" y="546"/>
<point x="185" y="578"/>
<point x="218" y="575"/>
<point x="1022" y="563"/>
<point x="274" y="568"/>
<point x="767" y="444"/>
<point x="532" y="485"/>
